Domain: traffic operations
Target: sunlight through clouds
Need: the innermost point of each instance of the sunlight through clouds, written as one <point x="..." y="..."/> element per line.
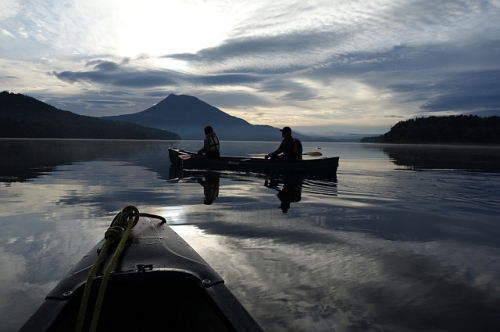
<point x="358" y="62"/>
<point x="171" y="27"/>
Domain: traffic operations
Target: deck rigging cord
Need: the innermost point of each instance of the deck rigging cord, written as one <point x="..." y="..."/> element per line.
<point x="123" y="222"/>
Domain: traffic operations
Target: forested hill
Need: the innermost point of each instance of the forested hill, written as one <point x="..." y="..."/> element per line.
<point x="461" y="129"/>
<point x="26" y="117"/>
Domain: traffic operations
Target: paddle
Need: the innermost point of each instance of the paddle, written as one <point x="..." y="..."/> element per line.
<point x="313" y="154"/>
<point x="184" y="156"/>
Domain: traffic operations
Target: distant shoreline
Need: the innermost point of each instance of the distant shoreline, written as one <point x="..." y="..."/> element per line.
<point x="435" y="143"/>
<point x="276" y="141"/>
<point x="459" y="130"/>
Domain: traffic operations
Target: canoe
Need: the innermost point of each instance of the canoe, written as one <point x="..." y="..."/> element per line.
<point x="158" y="283"/>
<point x="190" y="160"/>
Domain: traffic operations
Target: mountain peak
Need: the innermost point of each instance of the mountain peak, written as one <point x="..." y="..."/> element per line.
<point x="180" y="100"/>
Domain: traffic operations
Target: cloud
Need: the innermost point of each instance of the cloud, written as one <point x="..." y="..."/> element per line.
<point x="6" y="33"/>
<point x="106" y="102"/>
<point x="235" y="100"/>
<point x="123" y="75"/>
<point x="464" y="91"/>
<point x="159" y="93"/>
<point x="289" y="48"/>
<point x="301" y="95"/>
<point x="225" y="79"/>
<point x="107" y="72"/>
<point x="361" y="61"/>
<point x="9" y="9"/>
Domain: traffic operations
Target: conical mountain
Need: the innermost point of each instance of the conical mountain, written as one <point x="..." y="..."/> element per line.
<point x="187" y="116"/>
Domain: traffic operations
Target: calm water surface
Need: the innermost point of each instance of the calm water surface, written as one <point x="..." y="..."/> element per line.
<point x="405" y="238"/>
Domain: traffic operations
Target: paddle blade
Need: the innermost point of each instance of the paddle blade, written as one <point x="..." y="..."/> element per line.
<point x="184" y="156"/>
<point x="314" y="154"/>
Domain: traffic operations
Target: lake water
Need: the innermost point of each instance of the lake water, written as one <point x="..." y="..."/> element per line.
<point x="405" y="238"/>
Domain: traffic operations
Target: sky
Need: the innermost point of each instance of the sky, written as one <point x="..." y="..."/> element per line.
<point x="320" y="67"/>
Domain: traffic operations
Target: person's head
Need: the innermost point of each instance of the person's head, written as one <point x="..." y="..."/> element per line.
<point x="208" y="130"/>
<point x="286" y="131"/>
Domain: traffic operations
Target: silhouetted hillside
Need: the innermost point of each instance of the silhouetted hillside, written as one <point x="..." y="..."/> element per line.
<point x="461" y="129"/>
<point x="25" y="117"/>
<point x="188" y="115"/>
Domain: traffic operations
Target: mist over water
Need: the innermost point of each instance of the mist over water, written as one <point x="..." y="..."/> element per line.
<point x="404" y="238"/>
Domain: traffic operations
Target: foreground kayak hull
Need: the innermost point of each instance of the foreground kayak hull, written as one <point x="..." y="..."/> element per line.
<point x="189" y="160"/>
<point x="159" y="281"/>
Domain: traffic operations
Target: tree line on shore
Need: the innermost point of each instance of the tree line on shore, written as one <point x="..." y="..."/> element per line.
<point x="26" y="117"/>
<point x="455" y="129"/>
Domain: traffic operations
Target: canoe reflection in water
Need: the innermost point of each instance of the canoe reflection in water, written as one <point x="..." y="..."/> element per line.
<point x="289" y="190"/>
<point x="210" y="183"/>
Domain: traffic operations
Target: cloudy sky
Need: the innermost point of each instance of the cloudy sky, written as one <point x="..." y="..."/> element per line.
<point x="327" y="66"/>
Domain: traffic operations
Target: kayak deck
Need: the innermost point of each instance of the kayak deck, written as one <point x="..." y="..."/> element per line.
<point x="159" y="282"/>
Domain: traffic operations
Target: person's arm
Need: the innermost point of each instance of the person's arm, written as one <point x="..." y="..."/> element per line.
<point x="206" y="146"/>
<point x="281" y="148"/>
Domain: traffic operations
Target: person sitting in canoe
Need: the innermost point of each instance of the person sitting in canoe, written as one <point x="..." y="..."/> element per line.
<point x="290" y="148"/>
<point x="210" y="144"/>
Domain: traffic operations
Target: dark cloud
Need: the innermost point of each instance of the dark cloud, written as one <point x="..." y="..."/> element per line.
<point x="407" y="63"/>
<point x="407" y="87"/>
<point x="486" y="82"/>
<point x="457" y="101"/>
<point x="226" y="79"/>
<point x="292" y="90"/>
<point x="467" y="91"/>
<point x="234" y="99"/>
<point x="91" y="107"/>
<point x="116" y="93"/>
<point x="122" y="75"/>
<point x="291" y="44"/>
<point x="301" y="95"/>
<point x="183" y="56"/>
<point x="440" y="76"/>
<point x="101" y="103"/>
<point x="117" y="75"/>
<point x="276" y="85"/>
<point x="485" y="113"/>
<point x="107" y="66"/>
<point x="159" y="93"/>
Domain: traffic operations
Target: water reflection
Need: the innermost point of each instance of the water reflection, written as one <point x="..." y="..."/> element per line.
<point x="441" y="157"/>
<point x="385" y="251"/>
<point x="209" y="180"/>
<point x="289" y="190"/>
<point x="24" y="160"/>
<point x="210" y="183"/>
